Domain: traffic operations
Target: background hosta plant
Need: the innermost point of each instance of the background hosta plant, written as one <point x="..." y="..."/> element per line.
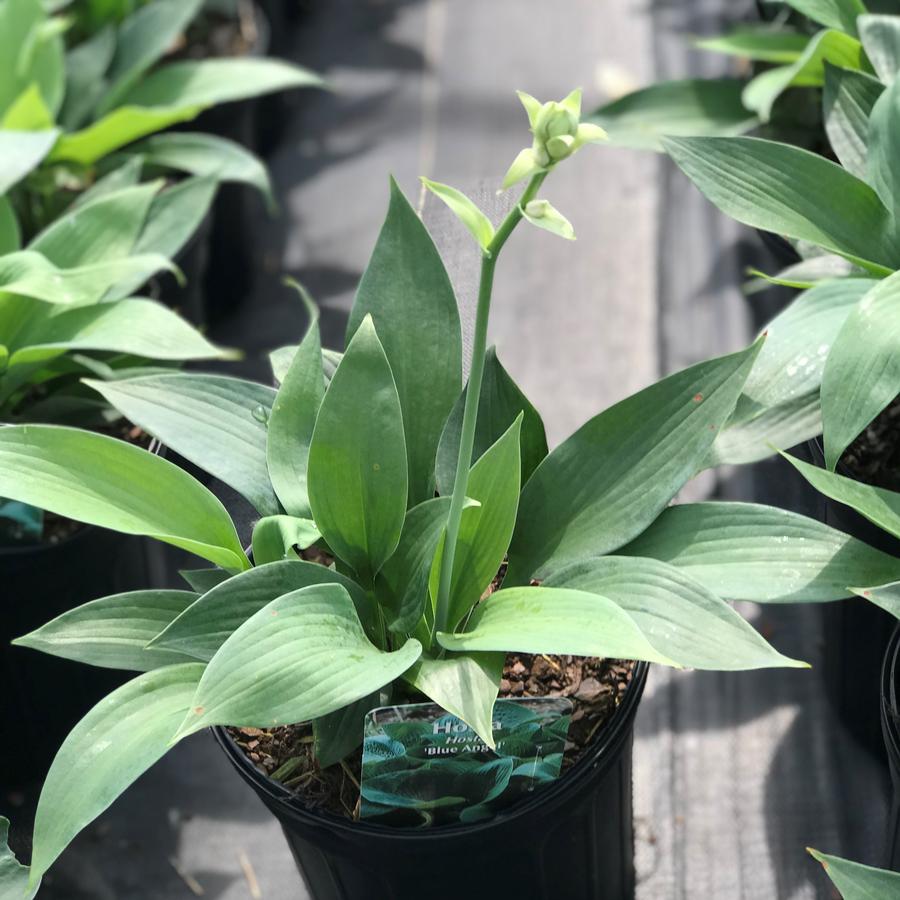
<point x="801" y="47"/>
<point x="837" y="342"/>
<point x="345" y="457"/>
<point x="70" y="115"/>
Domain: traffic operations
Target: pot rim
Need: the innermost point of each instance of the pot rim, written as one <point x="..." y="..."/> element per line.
<point x="13" y="551"/>
<point x="601" y="755"/>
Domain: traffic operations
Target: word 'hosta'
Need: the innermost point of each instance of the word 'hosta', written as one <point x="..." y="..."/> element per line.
<point x="418" y="490"/>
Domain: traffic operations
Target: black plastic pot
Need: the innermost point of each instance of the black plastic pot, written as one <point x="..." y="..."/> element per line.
<point x="890" y="721"/>
<point x="193" y="261"/>
<point x="856" y="633"/>
<point x="43" y="696"/>
<point x="229" y="274"/>
<point x="573" y="840"/>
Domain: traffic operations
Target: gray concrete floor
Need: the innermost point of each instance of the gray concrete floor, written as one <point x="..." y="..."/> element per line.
<point x="734" y="773"/>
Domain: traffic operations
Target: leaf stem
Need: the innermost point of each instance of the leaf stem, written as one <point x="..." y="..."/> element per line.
<point x="473" y="391"/>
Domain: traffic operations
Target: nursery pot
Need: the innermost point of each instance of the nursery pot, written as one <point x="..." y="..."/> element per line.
<point x="890" y="721"/>
<point x="44" y="696"/>
<point x="574" y="839"/>
<point x="229" y="274"/>
<point x="187" y="298"/>
<point x="856" y="633"/>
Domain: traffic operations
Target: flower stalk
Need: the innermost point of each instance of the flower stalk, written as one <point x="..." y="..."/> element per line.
<point x="473" y="392"/>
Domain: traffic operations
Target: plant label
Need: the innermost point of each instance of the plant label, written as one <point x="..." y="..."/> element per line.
<point x="422" y="766"/>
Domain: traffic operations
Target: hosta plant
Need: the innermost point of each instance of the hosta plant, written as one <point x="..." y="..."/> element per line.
<point x="68" y="116"/>
<point x="837" y="342"/>
<point x="800" y="48"/>
<point x="408" y="496"/>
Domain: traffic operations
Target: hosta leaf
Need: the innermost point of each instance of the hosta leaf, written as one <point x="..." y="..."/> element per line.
<point x="115" y="743"/>
<point x="274" y="538"/>
<point x="884" y="147"/>
<point x="142" y="39"/>
<point x="86" y="66"/>
<point x="847" y="104"/>
<point x="694" y="107"/>
<point x="553" y="620"/>
<point x="748" y="551"/>
<point x="609" y="481"/>
<point x="805" y="274"/>
<point x="32" y="54"/>
<point x="203" y="580"/>
<point x="139" y="327"/>
<point x="760" y="43"/>
<point x="113" y="632"/>
<point x="880" y="506"/>
<point x="103" y="230"/>
<point x="484" y="537"/>
<point x="406" y="290"/>
<point x="126" y="175"/>
<point x="215" y="421"/>
<point x="203" y="627"/>
<point x="856" y="881"/>
<point x="402" y="583"/>
<point x="779" y="406"/>
<point x="293" y="419"/>
<point x="880" y="36"/>
<point x="28" y="112"/>
<point x="887" y="596"/>
<point x="206" y="154"/>
<point x="681" y="618"/>
<point x="792" y="192"/>
<point x="357" y="458"/>
<point x="107" y="482"/>
<point x="798" y="341"/>
<point x="302" y="656"/>
<point x="756" y="432"/>
<point x="461" y="781"/>
<point x="10" y="234"/>
<point x="464" y="685"/>
<point x="173" y="217"/>
<point x="862" y="372"/>
<point x="22" y="151"/>
<point x="809" y="70"/>
<point x="499" y="403"/>
<point x="116" y="129"/>
<point x="211" y="81"/>
<point x="840" y="14"/>
<point x="13" y="875"/>
<point x="32" y="275"/>
<point x="339" y="733"/>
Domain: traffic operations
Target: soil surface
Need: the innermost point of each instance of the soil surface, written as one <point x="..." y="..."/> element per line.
<point x="595" y="686"/>
<point x="216" y="36"/>
<point x="874" y="457"/>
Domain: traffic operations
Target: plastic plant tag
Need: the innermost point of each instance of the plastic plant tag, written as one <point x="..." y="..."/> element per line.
<point x="422" y="766"/>
<point x="20" y="523"/>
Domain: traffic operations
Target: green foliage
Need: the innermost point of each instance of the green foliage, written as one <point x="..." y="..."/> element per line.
<point x="856" y="881"/>
<point x="342" y="462"/>
<point x="406" y="290"/>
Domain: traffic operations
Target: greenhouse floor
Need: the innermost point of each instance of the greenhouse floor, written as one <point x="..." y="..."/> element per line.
<point x="734" y="773"/>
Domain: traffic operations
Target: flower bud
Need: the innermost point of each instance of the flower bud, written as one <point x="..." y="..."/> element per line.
<point x="536" y="209"/>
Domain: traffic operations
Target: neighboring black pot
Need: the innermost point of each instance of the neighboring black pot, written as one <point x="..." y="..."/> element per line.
<point x="43" y="696"/>
<point x="890" y="721"/>
<point x="574" y="839"/>
<point x="856" y="633"/>
<point x="193" y="261"/>
<point x="229" y="274"/>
